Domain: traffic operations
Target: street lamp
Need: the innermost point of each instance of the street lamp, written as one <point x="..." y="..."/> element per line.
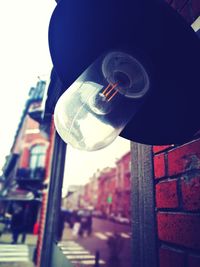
<point x="129" y="68"/>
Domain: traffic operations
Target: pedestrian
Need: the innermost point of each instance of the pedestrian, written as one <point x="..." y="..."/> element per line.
<point x="61" y="225"/>
<point x="17" y="223"/>
<point x="25" y="222"/>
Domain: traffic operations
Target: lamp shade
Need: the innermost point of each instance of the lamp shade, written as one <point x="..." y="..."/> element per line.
<point x="155" y="36"/>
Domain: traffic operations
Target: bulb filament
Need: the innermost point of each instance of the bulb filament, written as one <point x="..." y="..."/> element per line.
<point x="108" y="91"/>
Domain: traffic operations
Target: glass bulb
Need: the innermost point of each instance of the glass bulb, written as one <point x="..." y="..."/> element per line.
<point x="93" y="111"/>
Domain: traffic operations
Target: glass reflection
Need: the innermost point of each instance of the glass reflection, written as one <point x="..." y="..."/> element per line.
<point x="96" y="212"/>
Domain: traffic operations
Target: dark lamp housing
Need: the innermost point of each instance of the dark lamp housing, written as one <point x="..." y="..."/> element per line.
<point x="130" y="68"/>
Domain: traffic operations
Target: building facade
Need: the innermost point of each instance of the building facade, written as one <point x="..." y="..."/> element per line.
<point x="25" y="168"/>
<point x="108" y="192"/>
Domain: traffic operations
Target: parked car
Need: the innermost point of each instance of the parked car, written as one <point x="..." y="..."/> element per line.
<point x="98" y="214"/>
<point x="121" y="219"/>
<point x="111" y="217"/>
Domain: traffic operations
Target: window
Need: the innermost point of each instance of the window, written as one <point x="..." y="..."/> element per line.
<point x="37" y="156"/>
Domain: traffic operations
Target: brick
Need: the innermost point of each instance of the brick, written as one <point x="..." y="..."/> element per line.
<point x="178" y="228"/>
<point x="184" y="158"/>
<point x="171" y="258"/>
<point x="157" y="149"/>
<point x="24" y="159"/>
<point x="191" y="193"/>
<point x="166" y="194"/>
<point x="194" y="261"/>
<point x="159" y="165"/>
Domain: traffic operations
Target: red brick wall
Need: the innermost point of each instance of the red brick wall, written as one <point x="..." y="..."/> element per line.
<point x="177" y="188"/>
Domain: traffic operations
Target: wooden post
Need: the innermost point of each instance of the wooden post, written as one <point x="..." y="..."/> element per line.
<point x="144" y="248"/>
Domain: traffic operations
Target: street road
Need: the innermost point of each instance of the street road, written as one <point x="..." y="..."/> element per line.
<point x="112" y="240"/>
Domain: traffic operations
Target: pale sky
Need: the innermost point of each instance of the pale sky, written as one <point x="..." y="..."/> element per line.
<point x="24" y="55"/>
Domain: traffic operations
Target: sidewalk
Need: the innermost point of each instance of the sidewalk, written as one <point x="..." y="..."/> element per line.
<point x="5" y="241"/>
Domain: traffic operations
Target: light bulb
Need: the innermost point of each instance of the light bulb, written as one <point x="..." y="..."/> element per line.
<point x="94" y="110"/>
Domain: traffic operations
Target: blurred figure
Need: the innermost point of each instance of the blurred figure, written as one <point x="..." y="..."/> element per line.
<point x="115" y="244"/>
<point x="61" y="225"/>
<point x="85" y="219"/>
<point x="25" y="222"/>
<point x="17" y="223"/>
